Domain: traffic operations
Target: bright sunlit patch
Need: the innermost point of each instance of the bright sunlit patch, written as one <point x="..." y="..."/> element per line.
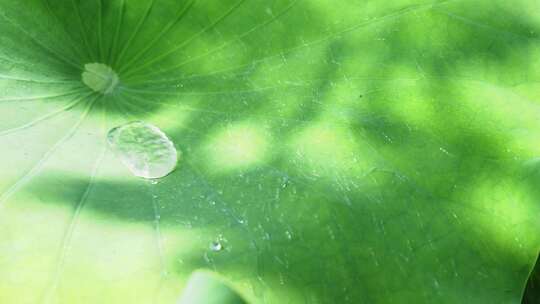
<point x="411" y="99"/>
<point x="327" y="148"/>
<point x="128" y="261"/>
<point x="171" y="116"/>
<point x="237" y="147"/>
<point x="512" y="111"/>
<point x="505" y="212"/>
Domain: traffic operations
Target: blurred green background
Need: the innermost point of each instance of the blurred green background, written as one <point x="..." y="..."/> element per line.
<point x="338" y="151"/>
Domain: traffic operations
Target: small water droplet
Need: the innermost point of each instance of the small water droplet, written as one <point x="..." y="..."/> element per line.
<point x="331" y="234"/>
<point x="288" y="234"/>
<point x="443" y="150"/>
<point x="242" y="221"/>
<point x="153" y="181"/>
<point x="144" y="149"/>
<point x="216" y="246"/>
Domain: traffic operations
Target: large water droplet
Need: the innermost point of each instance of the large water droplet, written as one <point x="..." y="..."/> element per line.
<point x="100" y="78"/>
<point x="144" y="149"/>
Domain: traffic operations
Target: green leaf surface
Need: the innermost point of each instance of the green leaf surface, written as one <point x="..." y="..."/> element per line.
<point x="331" y="151"/>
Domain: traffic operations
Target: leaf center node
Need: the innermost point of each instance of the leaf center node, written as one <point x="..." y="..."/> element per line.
<point x="100" y="78"/>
